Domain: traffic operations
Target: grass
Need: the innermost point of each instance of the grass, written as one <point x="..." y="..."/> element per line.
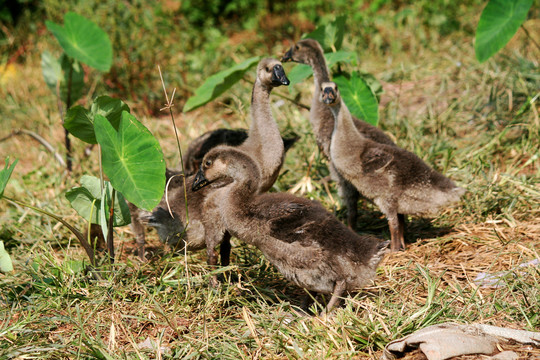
<point x="474" y="122"/>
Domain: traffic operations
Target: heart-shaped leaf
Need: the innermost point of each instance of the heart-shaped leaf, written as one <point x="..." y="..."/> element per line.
<point x="218" y="83"/>
<point x="498" y="23"/>
<point x="52" y="71"/>
<point x="359" y="98"/>
<point x="132" y="159"/>
<point x="330" y="36"/>
<point x="87" y="201"/>
<point x="83" y="40"/>
<point x="5" y="174"/>
<point x="80" y="121"/>
<point x="55" y="71"/>
<point x="5" y="260"/>
<point x="301" y="72"/>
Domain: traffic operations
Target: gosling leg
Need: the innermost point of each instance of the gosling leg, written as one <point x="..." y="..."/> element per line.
<point x="402" y="224"/>
<point x="339" y="288"/>
<point x="212" y="260"/>
<point x="225" y="249"/>
<point x="396" y="242"/>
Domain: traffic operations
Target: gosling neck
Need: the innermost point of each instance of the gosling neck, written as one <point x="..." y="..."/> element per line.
<point x="344" y="125"/>
<point x="321" y="118"/>
<point x="264" y="138"/>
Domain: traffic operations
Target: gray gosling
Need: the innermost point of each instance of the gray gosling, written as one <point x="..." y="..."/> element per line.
<point x="264" y="140"/>
<point x="310" y="52"/>
<point x="396" y="180"/>
<point x="306" y="243"/>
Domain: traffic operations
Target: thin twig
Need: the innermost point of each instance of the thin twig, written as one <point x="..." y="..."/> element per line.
<point x="299" y="104"/>
<point x="169" y="106"/>
<point x="167" y="194"/>
<point x="39" y="139"/>
<point x="530" y="37"/>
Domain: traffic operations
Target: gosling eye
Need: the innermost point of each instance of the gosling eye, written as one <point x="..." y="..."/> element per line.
<point x="208" y="163"/>
<point x="267" y="69"/>
<point x="296" y="47"/>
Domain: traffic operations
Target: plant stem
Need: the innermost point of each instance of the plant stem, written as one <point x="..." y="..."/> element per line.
<point x="529" y="36"/>
<point x="67" y="140"/>
<point x="77" y="233"/>
<point x="284" y="97"/>
<point x="169" y="106"/>
<point x="110" y="242"/>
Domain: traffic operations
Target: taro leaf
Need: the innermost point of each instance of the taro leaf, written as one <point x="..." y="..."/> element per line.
<point x="298" y="74"/>
<point x="5" y="260"/>
<point x="358" y="97"/>
<point x="132" y="159"/>
<point x="55" y="71"/>
<point x="80" y="122"/>
<point x="73" y="69"/>
<point x="52" y="71"/>
<point x="498" y="23"/>
<point x="5" y="174"/>
<point x="218" y="83"/>
<point x="330" y="36"/>
<point x="81" y="199"/>
<point x="110" y="108"/>
<point x="301" y="72"/>
<point x="83" y="40"/>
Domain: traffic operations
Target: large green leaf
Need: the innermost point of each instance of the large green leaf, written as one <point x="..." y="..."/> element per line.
<point x="330" y="36"/>
<point x="498" y="23"/>
<point x="218" y="83"/>
<point x="132" y="159"/>
<point x="301" y="72"/>
<point x="5" y="260"/>
<point x="80" y="121"/>
<point x="55" y="71"/>
<point x="5" y="174"/>
<point x="83" y="40"/>
<point x="359" y="98"/>
<point x="87" y="201"/>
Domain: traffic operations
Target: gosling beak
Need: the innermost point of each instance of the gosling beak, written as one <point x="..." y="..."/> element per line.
<point x="200" y="181"/>
<point x="328" y="96"/>
<point x="287" y="56"/>
<point x="278" y="76"/>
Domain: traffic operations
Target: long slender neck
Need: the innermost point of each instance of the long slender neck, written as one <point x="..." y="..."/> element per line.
<point x="344" y="126"/>
<point x="234" y="205"/>
<point x="261" y="114"/>
<point x="321" y="118"/>
<point x="264" y="139"/>
<point x="320" y="74"/>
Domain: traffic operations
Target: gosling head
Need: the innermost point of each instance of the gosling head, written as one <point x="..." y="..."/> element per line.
<point x="303" y="51"/>
<point x="224" y="164"/>
<point x="329" y="93"/>
<point x="271" y="73"/>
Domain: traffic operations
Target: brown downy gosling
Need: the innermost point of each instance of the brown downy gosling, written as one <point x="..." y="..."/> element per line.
<point x="306" y="243"/>
<point x="396" y="180"/>
<point x="192" y="159"/>
<point x="310" y="52"/>
<point x="266" y="144"/>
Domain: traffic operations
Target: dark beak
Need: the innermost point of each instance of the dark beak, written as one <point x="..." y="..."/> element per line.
<point x="287" y="56"/>
<point x="328" y="96"/>
<point x="278" y="76"/>
<point x="200" y="181"/>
